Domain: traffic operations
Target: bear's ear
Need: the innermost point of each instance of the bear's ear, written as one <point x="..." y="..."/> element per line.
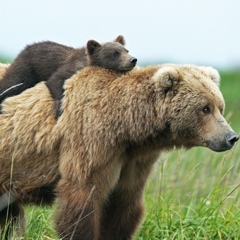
<point x="166" y="78"/>
<point x="92" y="45"/>
<point x="213" y="74"/>
<point x="120" y="39"/>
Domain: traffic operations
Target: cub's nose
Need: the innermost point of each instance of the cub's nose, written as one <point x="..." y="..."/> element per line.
<point x="231" y="138"/>
<point x="133" y="61"/>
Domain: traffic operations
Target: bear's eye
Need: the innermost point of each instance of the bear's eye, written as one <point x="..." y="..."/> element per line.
<point x="206" y="110"/>
<point x="116" y="54"/>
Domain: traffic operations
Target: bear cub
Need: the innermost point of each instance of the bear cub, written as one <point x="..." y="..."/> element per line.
<point x="54" y="63"/>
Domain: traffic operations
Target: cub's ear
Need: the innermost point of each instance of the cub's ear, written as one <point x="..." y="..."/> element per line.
<point x="213" y="74"/>
<point x="92" y="45"/>
<point x="166" y="78"/>
<point x="120" y="39"/>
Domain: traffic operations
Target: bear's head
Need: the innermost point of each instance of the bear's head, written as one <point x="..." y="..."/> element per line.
<point x="111" y="55"/>
<point x="194" y="107"/>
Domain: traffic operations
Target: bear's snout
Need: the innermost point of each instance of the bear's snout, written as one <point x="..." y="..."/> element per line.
<point x="129" y="64"/>
<point x="231" y="138"/>
<point x="133" y="61"/>
<point x="224" y="143"/>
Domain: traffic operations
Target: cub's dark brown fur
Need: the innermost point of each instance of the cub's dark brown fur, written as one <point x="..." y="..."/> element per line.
<point x="54" y="63"/>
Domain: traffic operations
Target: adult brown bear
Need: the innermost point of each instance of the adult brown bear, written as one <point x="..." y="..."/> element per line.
<point x="112" y="130"/>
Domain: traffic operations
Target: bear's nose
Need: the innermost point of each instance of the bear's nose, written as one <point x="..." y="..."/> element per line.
<point x="231" y="138"/>
<point x="133" y="60"/>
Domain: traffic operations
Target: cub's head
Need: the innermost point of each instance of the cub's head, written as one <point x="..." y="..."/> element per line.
<point x="111" y="55"/>
<point x="194" y="107"/>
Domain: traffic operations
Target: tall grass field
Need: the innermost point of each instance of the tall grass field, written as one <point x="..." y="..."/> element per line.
<point x="192" y="194"/>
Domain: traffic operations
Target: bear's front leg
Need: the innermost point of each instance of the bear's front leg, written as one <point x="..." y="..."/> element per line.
<point x="123" y="210"/>
<point x="77" y="213"/>
<point x="80" y="203"/>
<point x="122" y="214"/>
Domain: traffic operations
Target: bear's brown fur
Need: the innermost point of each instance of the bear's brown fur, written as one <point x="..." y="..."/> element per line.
<point x="54" y="63"/>
<point x="112" y="130"/>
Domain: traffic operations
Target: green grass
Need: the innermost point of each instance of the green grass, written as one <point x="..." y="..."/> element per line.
<point x="192" y="194"/>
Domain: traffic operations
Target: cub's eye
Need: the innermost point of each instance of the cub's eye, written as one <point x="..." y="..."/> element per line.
<point x="116" y="54"/>
<point x="206" y="110"/>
